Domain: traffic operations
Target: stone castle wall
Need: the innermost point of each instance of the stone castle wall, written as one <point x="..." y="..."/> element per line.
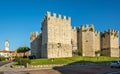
<point x="74" y="39"/>
<point x="44" y="52"/>
<point x="89" y="40"/>
<point x="35" y="43"/>
<point x="97" y="41"/>
<point x="79" y="38"/>
<point x="114" y="44"/>
<point x="59" y="50"/>
<point x="57" y="31"/>
<point x="105" y="40"/>
<point x="110" y="43"/>
<point x="58" y="39"/>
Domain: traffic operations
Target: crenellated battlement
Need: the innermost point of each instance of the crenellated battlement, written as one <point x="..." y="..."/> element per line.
<point x="110" y="32"/>
<point x="74" y="28"/>
<point x="87" y="28"/>
<point x="54" y="16"/>
<point x="59" y="16"/>
<point x="33" y="35"/>
<point x="97" y="33"/>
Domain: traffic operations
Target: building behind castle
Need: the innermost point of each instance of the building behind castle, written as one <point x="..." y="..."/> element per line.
<point x="6" y="51"/>
<point x="10" y="54"/>
<point x="59" y="39"/>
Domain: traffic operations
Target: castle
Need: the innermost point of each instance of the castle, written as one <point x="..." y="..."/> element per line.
<point x="59" y="39"/>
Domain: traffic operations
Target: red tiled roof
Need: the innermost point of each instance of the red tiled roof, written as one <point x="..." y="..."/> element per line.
<point x="4" y="51"/>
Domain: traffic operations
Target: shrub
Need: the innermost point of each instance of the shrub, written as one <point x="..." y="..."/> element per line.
<point x="16" y="58"/>
<point x="2" y="58"/>
<point x="79" y="52"/>
<point x="32" y="57"/>
<point x="24" y="56"/>
<point x="98" y="52"/>
<point x="23" y="61"/>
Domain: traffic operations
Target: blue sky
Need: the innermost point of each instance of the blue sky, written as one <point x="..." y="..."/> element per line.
<point x="20" y="17"/>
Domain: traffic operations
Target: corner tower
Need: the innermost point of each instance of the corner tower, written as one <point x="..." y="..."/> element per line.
<point x="35" y="43"/>
<point x="110" y="43"/>
<point x="88" y="40"/>
<point x="56" y="36"/>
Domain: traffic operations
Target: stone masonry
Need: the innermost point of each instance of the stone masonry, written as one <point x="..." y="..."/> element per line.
<point x="110" y="43"/>
<point x="88" y="40"/>
<point x="35" y="40"/>
<point x="74" y="39"/>
<point x="58" y="39"/>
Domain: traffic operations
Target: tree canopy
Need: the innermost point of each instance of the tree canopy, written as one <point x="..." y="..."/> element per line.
<point x="23" y="49"/>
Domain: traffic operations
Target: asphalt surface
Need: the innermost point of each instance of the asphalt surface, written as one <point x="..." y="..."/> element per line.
<point x="97" y="69"/>
<point x="93" y="69"/>
<point x="3" y="63"/>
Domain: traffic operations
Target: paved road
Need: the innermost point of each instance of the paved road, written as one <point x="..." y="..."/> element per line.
<point x="78" y="70"/>
<point x="6" y="69"/>
<point x="95" y="69"/>
<point x="114" y="72"/>
<point x="3" y="63"/>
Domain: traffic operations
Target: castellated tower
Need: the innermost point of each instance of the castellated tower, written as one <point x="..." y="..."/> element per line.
<point x="74" y="40"/>
<point x="88" y="40"/>
<point x="35" y="43"/>
<point x="110" y="43"/>
<point x="56" y="36"/>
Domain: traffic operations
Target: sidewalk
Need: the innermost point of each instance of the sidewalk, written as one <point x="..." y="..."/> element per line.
<point x="6" y="69"/>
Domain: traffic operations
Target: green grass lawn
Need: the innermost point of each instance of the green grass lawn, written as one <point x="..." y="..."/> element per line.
<point x="75" y="59"/>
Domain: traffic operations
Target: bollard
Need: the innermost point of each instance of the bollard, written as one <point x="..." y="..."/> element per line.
<point x="26" y="65"/>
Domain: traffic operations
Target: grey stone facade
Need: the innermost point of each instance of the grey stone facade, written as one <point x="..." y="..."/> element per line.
<point x="58" y="39"/>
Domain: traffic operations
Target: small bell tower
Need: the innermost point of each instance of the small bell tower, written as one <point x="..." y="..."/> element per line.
<point x="7" y="45"/>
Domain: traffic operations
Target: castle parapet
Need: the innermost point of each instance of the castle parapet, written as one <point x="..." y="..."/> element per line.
<point x="97" y="33"/>
<point x="83" y="27"/>
<point x="58" y="17"/>
<point x="54" y="15"/>
<point x="88" y="28"/>
<point x="74" y="28"/>
<point x="33" y="36"/>
<point x="48" y="14"/>
<point x="64" y="17"/>
<point x="110" y="32"/>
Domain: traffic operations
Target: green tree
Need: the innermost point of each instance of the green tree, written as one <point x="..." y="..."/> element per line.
<point x="2" y="58"/>
<point x="23" y="49"/>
